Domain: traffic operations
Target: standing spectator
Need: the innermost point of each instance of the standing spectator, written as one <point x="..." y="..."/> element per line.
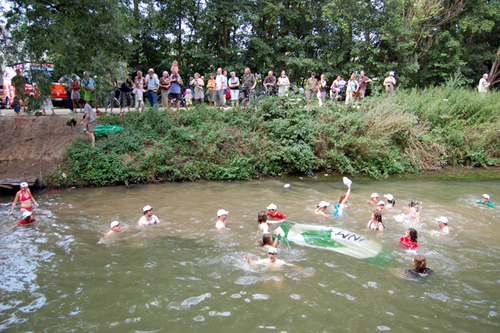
<point x="283" y="84"/>
<point x="89" y="86"/>
<point x="270" y="83"/>
<point x="189" y="99"/>
<point x="311" y="88"/>
<point x="17" y="110"/>
<point x="335" y="89"/>
<point x="66" y="82"/>
<point x="226" y="88"/>
<point x="220" y="88"/>
<point x="234" y="83"/>
<point x="47" y="104"/>
<point x="75" y="90"/>
<point x="352" y="87"/>
<point x="211" y="89"/>
<point x="125" y="92"/>
<point x="90" y="118"/>
<point x="19" y="82"/>
<point x="197" y="82"/>
<point x="139" y="97"/>
<point x="389" y="83"/>
<point x="175" y="81"/>
<point x="248" y="84"/>
<point x="484" y="84"/>
<point x="363" y="80"/>
<point x="165" y="89"/>
<point x="110" y="95"/>
<point x="153" y="84"/>
<point x="322" y="89"/>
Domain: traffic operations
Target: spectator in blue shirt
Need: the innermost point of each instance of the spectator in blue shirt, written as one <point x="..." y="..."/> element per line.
<point x="175" y="88"/>
<point x="153" y="83"/>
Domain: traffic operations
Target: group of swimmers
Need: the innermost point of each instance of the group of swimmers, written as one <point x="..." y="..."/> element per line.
<point x="28" y="204"/>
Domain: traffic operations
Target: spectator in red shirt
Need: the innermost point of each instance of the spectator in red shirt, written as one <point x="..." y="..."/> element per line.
<point x="27" y="219"/>
<point x="409" y="241"/>
<point x="274" y="214"/>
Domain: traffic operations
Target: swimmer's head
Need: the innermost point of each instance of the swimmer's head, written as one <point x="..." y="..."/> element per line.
<point x="377" y="216"/>
<point x="222" y="212"/>
<point x="412" y="234"/>
<point x="413" y="204"/>
<point x="272" y="207"/>
<point x="323" y="204"/>
<point x="23" y="184"/>
<point x="390" y="198"/>
<point x="146" y="209"/>
<point x="380" y="203"/>
<point x="442" y="219"/>
<point x="374" y="197"/>
<point x="267" y="239"/>
<point x="114" y="225"/>
<point x="272" y="250"/>
<point x="27" y="216"/>
<point x="262" y="217"/>
<point x="419" y="262"/>
<point x="485" y="198"/>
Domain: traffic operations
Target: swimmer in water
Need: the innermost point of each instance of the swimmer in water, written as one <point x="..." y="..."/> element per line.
<point x="409" y="241"/>
<point x="27" y="219"/>
<point x="390" y="201"/>
<point x="485" y="201"/>
<point x="342" y="204"/>
<point x="443" y="224"/>
<point x="24" y="197"/>
<point x="262" y="221"/>
<point x="221" y="219"/>
<point x="320" y="209"/>
<point x="271" y="261"/>
<point x="272" y="213"/>
<point x="376" y="222"/>
<point x="115" y="227"/>
<point x="148" y="217"/>
<point x="414" y="210"/>
<point x="380" y="206"/>
<point x="420" y="265"/>
<point x="374" y="201"/>
<point x="267" y="240"/>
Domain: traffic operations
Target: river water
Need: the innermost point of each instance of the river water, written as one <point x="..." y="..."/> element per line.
<point x="183" y="275"/>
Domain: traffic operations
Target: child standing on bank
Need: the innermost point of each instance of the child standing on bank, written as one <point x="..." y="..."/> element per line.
<point x="17" y="110"/>
<point x="139" y="97"/>
<point x="189" y="99"/>
<point x="47" y="104"/>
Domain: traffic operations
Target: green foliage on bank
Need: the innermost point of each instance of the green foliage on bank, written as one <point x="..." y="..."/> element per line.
<point x="416" y="130"/>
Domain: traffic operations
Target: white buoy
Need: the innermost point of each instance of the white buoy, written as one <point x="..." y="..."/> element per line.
<point x="286" y="186"/>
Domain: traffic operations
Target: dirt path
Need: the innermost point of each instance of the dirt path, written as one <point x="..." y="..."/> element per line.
<point x="37" y="148"/>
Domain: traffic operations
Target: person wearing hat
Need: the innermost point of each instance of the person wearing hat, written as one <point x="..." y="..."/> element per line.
<point x="272" y="213"/>
<point x="390" y="201"/>
<point x="342" y="204"/>
<point x="271" y="260"/>
<point x="24" y="197"/>
<point x="380" y="206"/>
<point x="148" y="217"/>
<point x="320" y="209"/>
<point x="27" y="219"/>
<point x="443" y="224"/>
<point x="221" y="218"/>
<point x="389" y="83"/>
<point x="374" y="199"/>
<point x="485" y="200"/>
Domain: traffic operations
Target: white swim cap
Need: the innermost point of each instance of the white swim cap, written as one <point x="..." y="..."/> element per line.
<point x="443" y="219"/>
<point x="374" y="195"/>
<point x="221" y="212"/>
<point x="323" y="204"/>
<point x="114" y="224"/>
<point x="272" y="206"/>
<point x="272" y="250"/>
<point x="389" y="197"/>
<point x="26" y="214"/>
<point x="146" y="208"/>
<point x="486" y="196"/>
<point x="23" y="184"/>
<point x="380" y="203"/>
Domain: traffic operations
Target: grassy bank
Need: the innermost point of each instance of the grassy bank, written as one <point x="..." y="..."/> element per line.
<point x="416" y="130"/>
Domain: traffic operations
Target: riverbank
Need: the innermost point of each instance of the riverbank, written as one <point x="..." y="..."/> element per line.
<point x="416" y="131"/>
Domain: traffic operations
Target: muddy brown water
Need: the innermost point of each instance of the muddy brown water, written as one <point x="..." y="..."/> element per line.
<point x="183" y="275"/>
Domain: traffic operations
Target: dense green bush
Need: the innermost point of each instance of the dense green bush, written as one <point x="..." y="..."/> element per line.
<point x="416" y="130"/>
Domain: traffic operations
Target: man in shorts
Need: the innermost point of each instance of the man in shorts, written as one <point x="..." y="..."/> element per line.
<point x="90" y="118"/>
<point x="363" y="80"/>
<point x="248" y="83"/>
<point x="220" y="88"/>
<point x="311" y="87"/>
<point x="175" y="82"/>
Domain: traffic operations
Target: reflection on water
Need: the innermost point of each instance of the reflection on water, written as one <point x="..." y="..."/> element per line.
<point x="185" y="275"/>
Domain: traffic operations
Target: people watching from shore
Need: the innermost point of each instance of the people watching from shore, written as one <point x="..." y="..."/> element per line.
<point x="335" y="88"/>
<point x="211" y="90"/>
<point x="363" y="80"/>
<point x="322" y="90"/>
<point x="175" y="92"/>
<point x="376" y="222"/>
<point x="320" y="209"/>
<point x="262" y="221"/>
<point x="17" y="109"/>
<point x="28" y="219"/>
<point x="234" y="84"/>
<point x="443" y="224"/>
<point x="152" y="86"/>
<point x="164" y="89"/>
<point x="126" y="86"/>
<point x="311" y="88"/>
<point x="221" y="219"/>
<point x="484" y="84"/>
<point x="273" y="213"/>
<point x="485" y="201"/>
<point x="409" y="241"/>
<point x="89" y="117"/>
<point x="420" y="267"/>
<point x="374" y="199"/>
<point x="199" y="95"/>
<point x="389" y="84"/>
<point x="390" y="201"/>
<point x="148" y="218"/>
<point x="248" y="84"/>
<point x="342" y="204"/>
<point x="352" y="89"/>
<point x="24" y="197"/>
<point x="270" y="84"/>
<point x="89" y="86"/>
<point x="220" y="89"/>
<point x="283" y="84"/>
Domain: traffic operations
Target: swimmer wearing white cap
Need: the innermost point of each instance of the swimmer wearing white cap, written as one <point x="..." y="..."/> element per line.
<point x="148" y="217"/>
<point x="272" y="213"/>
<point x="27" y="219"/>
<point x="24" y="197"/>
<point x="443" y="224"/>
<point x="485" y="201"/>
<point x="271" y="260"/>
<point x="221" y="219"/>
<point x="374" y="201"/>
<point x="320" y="209"/>
<point x="390" y="201"/>
<point x="115" y="228"/>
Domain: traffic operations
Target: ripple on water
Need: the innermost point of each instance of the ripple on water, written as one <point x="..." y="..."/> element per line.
<point x="383" y="328"/>
<point x="219" y="314"/>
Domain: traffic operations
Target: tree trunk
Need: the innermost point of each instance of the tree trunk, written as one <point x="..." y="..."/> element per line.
<point x="179" y="50"/>
<point x="495" y="70"/>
